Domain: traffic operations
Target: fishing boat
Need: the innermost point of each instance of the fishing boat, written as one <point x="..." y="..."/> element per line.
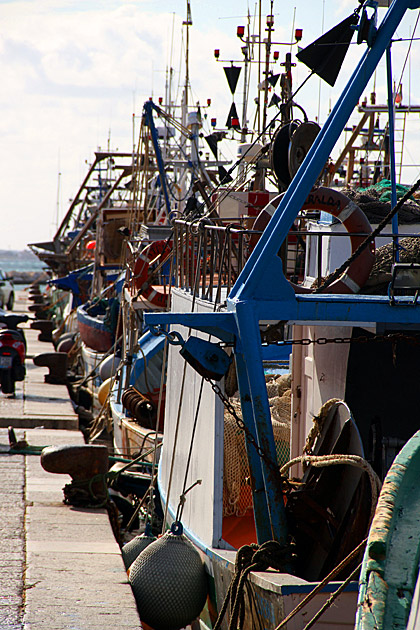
<point x="281" y="548"/>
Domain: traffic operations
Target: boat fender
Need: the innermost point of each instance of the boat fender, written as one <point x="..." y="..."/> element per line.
<point x="354" y="220"/>
<point x="131" y="550"/>
<point x="103" y="391"/>
<point x="58" y="338"/>
<point x="158" y="296"/>
<point x="169" y="583"/>
<point x="66" y="345"/>
<point x="109" y="367"/>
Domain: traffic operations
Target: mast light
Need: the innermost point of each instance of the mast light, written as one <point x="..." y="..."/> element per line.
<point x="298" y="34"/>
<point x="240" y="31"/>
<point x="217" y="53"/>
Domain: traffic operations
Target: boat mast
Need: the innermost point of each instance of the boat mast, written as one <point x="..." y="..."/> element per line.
<point x="269" y="29"/>
<point x="247" y="53"/>
<point x="259" y="65"/>
<point x="184" y="106"/>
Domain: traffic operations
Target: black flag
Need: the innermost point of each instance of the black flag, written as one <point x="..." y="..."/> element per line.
<point x="232" y="75"/>
<point x="326" y="54"/>
<point x="212" y="142"/>
<point x="272" y="79"/>
<point x="275" y="100"/>
<point x="224" y="176"/>
<point x="232" y="114"/>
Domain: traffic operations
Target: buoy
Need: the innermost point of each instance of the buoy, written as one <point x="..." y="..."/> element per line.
<point x="109" y="367"/>
<point x="169" y="582"/>
<point x="103" y="391"/>
<point x="133" y="549"/>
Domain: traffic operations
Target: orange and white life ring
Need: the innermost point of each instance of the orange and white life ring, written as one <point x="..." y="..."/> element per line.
<point x="156" y="295"/>
<point x="354" y="220"/>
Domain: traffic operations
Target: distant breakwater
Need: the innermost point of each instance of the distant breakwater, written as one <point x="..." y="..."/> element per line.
<point x="28" y="277"/>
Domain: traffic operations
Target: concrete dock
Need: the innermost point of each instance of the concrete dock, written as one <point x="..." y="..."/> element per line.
<point x="60" y="566"/>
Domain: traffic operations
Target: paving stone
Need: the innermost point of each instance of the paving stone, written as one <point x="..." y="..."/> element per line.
<point x="60" y="618"/>
<point x="60" y="566"/>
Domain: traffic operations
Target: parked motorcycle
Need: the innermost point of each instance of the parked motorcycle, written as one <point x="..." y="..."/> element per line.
<point x="12" y="351"/>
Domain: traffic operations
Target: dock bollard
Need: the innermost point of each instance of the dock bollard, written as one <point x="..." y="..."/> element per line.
<point x="56" y="362"/>
<point x="46" y="328"/>
<point x="87" y="465"/>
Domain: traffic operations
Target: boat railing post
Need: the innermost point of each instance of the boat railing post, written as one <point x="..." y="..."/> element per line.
<point x="187" y="248"/>
<point x="229" y="260"/>
<point x="319" y="259"/>
<point x="177" y="236"/>
<point x="203" y="266"/>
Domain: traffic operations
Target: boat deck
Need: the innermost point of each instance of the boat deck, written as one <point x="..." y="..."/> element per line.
<point x="60" y="566"/>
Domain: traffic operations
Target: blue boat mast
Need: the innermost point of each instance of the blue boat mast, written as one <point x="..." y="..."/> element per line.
<point x="148" y="108"/>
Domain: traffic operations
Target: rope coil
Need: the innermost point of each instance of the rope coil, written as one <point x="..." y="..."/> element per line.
<point x="250" y="558"/>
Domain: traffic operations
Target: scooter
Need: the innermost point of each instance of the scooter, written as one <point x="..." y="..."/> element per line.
<point x="12" y="351"/>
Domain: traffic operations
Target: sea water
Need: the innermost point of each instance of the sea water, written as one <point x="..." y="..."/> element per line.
<point x="17" y="262"/>
<point x="20" y="261"/>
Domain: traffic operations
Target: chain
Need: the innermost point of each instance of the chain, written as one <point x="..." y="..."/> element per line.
<point x="241" y="425"/>
<point x="322" y="341"/>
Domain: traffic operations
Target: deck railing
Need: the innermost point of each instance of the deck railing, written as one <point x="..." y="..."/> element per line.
<point x="209" y="257"/>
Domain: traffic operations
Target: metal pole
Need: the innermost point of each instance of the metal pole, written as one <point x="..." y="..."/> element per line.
<point x="391" y="123"/>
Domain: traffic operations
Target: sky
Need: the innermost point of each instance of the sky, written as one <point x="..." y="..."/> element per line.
<point x="75" y="74"/>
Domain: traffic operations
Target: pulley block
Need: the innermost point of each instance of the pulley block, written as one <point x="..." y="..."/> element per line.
<point x="207" y="358"/>
<point x="367" y="26"/>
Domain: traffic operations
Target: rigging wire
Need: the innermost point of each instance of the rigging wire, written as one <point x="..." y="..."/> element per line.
<point x="408" y="50"/>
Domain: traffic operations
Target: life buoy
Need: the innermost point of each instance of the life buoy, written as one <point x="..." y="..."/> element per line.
<point x="354" y="220"/>
<point x="156" y="295"/>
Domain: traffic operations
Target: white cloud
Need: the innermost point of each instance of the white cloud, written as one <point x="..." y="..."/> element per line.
<point x="73" y="71"/>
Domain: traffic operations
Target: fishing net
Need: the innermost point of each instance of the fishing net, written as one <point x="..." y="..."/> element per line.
<point x="237" y="493"/>
<point x="375" y="202"/>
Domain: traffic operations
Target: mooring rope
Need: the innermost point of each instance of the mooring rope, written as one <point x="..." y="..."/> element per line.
<point x="250" y="558"/>
<point x="335" y="460"/>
